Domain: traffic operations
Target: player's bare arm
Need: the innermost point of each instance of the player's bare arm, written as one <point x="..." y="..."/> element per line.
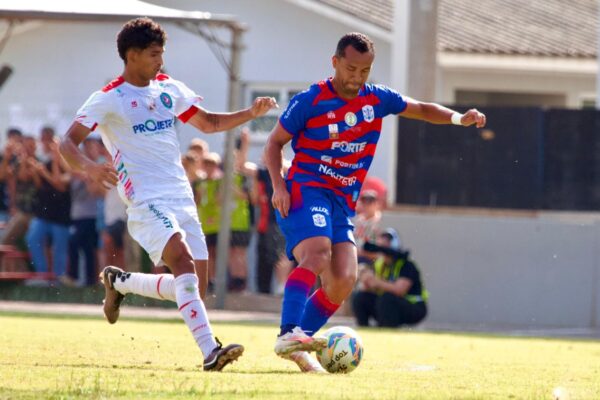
<point x="438" y="114"/>
<point x="69" y="148"/>
<point x="274" y="162"/>
<point x="211" y="122"/>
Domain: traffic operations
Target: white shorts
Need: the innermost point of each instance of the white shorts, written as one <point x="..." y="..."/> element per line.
<point x="152" y="223"/>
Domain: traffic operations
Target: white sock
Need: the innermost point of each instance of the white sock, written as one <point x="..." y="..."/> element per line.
<point x="192" y="309"/>
<point x="156" y="286"/>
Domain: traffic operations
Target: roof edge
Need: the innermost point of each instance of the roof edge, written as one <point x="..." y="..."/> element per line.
<point x="345" y="18"/>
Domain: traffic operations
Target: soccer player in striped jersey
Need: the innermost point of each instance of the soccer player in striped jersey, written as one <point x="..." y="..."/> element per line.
<point x="135" y="115"/>
<point x="334" y="127"/>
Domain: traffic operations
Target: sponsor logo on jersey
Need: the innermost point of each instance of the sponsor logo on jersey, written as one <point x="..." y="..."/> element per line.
<point x="133" y="104"/>
<point x="344" y="180"/>
<point x="327" y="159"/>
<point x="158" y="214"/>
<point x="350" y="118"/>
<point x="344" y="164"/>
<point x="166" y="100"/>
<point x="333" y="128"/>
<point x="348" y="147"/>
<point x="289" y="110"/>
<point x="152" y="125"/>
<point x="319" y="220"/>
<point x="331" y="115"/>
<point x="319" y="210"/>
<point x="368" y="113"/>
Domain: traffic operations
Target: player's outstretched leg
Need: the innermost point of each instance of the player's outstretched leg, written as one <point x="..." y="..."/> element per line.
<point x="221" y="356"/>
<point x="297" y="340"/>
<point x="112" y="298"/>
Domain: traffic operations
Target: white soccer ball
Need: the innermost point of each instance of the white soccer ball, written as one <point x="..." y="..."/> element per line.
<point x="343" y="352"/>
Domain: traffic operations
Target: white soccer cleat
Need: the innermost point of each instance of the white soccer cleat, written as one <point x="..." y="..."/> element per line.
<point x="297" y="340"/>
<point x="306" y="363"/>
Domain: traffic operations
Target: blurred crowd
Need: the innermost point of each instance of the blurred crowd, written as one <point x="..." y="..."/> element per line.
<point x="70" y="225"/>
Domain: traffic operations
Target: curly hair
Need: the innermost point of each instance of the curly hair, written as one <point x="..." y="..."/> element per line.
<point x="359" y="41"/>
<point x="139" y="33"/>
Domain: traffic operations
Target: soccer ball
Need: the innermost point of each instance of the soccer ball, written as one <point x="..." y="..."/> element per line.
<point x="343" y="352"/>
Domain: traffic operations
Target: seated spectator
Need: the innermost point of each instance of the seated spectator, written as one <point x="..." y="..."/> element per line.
<point x="392" y="291"/>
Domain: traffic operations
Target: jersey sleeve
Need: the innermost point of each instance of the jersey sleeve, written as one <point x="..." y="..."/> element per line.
<point x="184" y="99"/>
<point x="294" y="117"/>
<point x="392" y="101"/>
<point x="94" y="111"/>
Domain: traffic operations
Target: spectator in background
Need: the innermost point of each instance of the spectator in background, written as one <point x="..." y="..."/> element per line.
<point x="190" y="164"/>
<point x="241" y="222"/>
<point x="271" y="243"/>
<point x="84" y="211"/>
<point x="367" y="223"/>
<point x="392" y="291"/>
<point x="206" y="193"/>
<point x="7" y="171"/>
<point x="113" y="235"/>
<point x="52" y="210"/>
<point x="199" y="147"/>
<point x="47" y="140"/>
<point x="24" y="192"/>
<point x="378" y="185"/>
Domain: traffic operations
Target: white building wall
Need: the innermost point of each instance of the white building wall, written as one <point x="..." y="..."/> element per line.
<point x="536" y="270"/>
<point x="574" y="87"/>
<point x="57" y="65"/>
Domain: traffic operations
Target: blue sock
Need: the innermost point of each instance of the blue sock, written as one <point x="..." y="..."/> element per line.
<point x="297" y="289"/>
<point x="317" y="311"/>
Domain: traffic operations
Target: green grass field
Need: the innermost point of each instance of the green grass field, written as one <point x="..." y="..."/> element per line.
<point x="63" y="358"/>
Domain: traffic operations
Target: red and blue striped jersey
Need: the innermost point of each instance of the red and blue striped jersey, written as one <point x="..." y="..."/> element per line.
<point x="334" y="139"/>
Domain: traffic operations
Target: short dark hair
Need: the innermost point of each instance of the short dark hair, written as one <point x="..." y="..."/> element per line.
<point x="361" y="43"/>
<point x="14" y="132"/>
<point x="139" y="33"/>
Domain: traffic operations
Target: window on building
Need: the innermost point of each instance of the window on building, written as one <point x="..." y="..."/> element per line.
<point x="264" y="125"/>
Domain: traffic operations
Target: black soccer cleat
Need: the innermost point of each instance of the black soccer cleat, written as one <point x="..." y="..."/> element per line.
<point x="221" y="356"/>
<point x="112" y="298"/>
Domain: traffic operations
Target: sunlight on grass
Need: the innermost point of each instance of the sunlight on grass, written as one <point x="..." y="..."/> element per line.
<point x="45" y="357"/>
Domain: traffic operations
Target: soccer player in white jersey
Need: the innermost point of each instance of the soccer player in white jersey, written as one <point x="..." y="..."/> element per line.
<point x="135" y="115"/>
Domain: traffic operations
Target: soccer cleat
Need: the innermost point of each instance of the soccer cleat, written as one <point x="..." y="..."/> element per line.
<point x="306" y="362"/>
<point x="297" y="340"/>
<point x="112" y="298"/>
<point x="221" y="356"/>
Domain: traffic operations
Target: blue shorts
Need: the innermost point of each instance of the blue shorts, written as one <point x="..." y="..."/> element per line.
<point x="320" y="214"/>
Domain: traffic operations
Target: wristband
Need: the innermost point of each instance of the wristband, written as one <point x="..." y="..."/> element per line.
<point x="456" y="117"/>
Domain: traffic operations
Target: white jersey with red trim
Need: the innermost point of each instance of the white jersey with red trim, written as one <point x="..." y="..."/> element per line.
<point x="137" y="125"/>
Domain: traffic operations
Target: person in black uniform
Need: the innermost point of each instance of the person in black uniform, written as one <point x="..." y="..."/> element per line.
<point x="391" y="290"/>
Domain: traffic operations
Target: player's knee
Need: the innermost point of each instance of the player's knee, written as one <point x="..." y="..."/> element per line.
<point x="317" y="259"/>
<point x="178" y="257"/>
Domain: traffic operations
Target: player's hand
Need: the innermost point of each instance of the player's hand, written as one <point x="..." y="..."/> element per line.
<point x="281" y="201"/>
<point x="104" y="174"/>
<point x="262" y="105"/>
<point x="473" y="116"/>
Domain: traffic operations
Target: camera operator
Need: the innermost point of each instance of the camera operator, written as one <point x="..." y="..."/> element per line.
<point x="391" y="291"/>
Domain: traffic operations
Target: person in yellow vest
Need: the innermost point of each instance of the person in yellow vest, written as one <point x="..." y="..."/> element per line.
<point x="391" y="291"/>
